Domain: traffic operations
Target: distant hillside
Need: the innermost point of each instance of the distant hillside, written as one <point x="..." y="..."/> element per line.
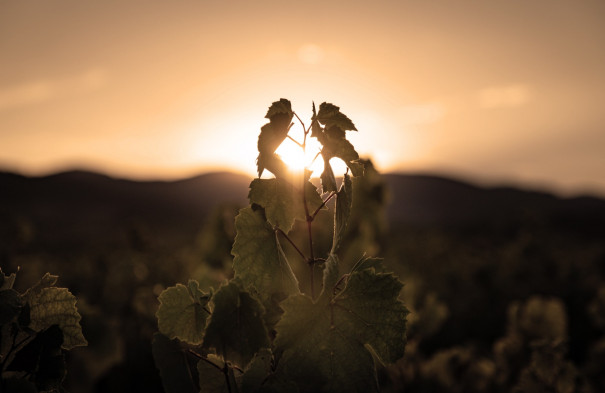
<point x="419" y="200"/>
<point x="82" y="209"/>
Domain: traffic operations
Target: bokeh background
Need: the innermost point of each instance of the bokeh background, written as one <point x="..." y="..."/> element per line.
<point x="128" y="136"/>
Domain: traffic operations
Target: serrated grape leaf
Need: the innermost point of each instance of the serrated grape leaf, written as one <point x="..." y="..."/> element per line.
<point x="343" y="149"/>
<point x="329" y="115"/>
<point x="236" y="330"/>
<point x="317" y="357"/>
<point x="330" y="276"/>
<point x="369" y="263"/>
<point x="278" y="107"/>
<point x="257" y="371"/>
<point x="6" y="282"/>
<point x="183" y="312"/>
<point x="50" y="369"/>
<point x="327" y="338"/>
<point x="273" y="163"/>
<point x="271" y="136"/>
<point x="344" y="198"/>
<point x="283" y="203"/>
<point x="172" y="364"/>
<point x="370" y="311"/>
<point x="55" y="306"/>
<point x="212" y="376"/>
<point x="259" y="260"/>
<point x="328" y="181"/>
<point x="10" y="305"/>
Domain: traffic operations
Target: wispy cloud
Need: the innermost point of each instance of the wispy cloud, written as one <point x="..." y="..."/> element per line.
<point x="35" y="92"/>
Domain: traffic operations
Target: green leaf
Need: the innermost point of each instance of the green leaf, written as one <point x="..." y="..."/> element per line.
<point x="369" y="310"/>
<point x="183" y="312"/>
<point x="327" y="339"/>
<point x="329" y="115"/>
<point x="236" y="330"/>
<point x="283" y="203"/>
<point x="328" y="181"/>
<point x="330" y="276"/>
<point x="369" y="263"/>
<point x="212" y="376"/>
<point x="316" y="356"/>
<point x="278" y="107"/>
<point x="344" y="199"/>
<point x="55" y="306"/>
<point x="259" y="260"/>
<point x="172" y="363"/>
<point x="257" y="371"/>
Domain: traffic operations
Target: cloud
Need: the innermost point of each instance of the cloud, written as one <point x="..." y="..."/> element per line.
<point x="504" y="96"/>
<point x="34" y="92"/>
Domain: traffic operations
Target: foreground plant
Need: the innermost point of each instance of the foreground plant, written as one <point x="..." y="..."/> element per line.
<point x="258" y="332"/>
<point x="37" y="327"/>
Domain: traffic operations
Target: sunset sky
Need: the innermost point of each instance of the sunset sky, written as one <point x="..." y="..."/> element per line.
<point x="494" y="91"/>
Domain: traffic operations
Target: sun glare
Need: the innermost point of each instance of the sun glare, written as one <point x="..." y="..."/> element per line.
<point x="293" y="156"/>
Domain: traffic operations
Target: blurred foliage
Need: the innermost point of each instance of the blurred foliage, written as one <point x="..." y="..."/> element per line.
<point x="493" y="309"/>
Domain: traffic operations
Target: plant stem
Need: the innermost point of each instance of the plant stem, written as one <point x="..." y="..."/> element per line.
<point x="322" y="205"/>
<point x="292" y="243"/>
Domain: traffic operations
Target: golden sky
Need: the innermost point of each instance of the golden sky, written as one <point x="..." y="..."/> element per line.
<point x="490" y="90"/>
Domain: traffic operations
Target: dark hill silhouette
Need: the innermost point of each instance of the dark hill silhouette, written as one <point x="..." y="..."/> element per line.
<point x="84" y="209"/>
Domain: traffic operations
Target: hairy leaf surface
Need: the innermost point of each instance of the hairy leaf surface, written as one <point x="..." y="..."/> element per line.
<point x="183" y="312"/>
<point x="259" y="260"/>
<point x="236" y="330"/>
<point x="282" y="201"/>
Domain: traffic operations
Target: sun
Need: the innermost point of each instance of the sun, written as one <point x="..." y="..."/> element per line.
<point x="297" y="160"/>
<point x="292" y="155"/>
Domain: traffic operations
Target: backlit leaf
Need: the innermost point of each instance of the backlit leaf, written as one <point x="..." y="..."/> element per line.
<point x="55" y="306"/>
<point x="183" y="312"/>
<point x="259" y="260"/>
<point x="283" y="203"/>
<point x="344" y="199"/>
<point x="326" y="339"/>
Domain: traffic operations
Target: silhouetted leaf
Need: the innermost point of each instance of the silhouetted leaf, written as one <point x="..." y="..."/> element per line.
<point x="329" y="115"/>
<point x="328" y="181"/>
<point x="172" y="363"/>
<point x="236" y="329"/>
<point x="283" y="106"/>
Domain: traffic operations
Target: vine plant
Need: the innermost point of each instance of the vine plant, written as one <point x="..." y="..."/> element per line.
<point x="258" y="332"/>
